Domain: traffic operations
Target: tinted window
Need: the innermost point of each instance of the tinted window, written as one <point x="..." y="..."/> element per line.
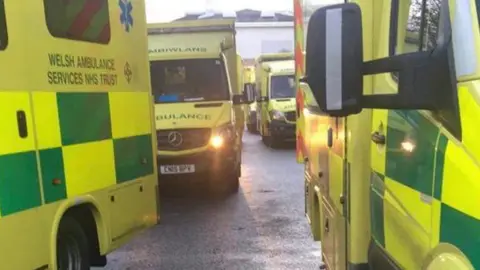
<point x="3" y="27"/>
<point x="419" y="32"/>
<point x="84" y="20"/>
<point x="478" y="10"/>
<point x="189" y="80"/>
<point x="282" y="86"/>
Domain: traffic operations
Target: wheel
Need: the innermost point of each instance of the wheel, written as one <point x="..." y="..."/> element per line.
<point x="233" y="183"/>
<point x="269" y="141"/>
<point x="232" y="178"/>
<point x="252" y="128"/>
<point x="227" y="181"/>
<point x="266" y="140"/>
<point x="72" y="246"/>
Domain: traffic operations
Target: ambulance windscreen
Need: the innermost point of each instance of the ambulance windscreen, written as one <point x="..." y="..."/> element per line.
<point x="189" y="80"/>
<point x="282" y="86"/>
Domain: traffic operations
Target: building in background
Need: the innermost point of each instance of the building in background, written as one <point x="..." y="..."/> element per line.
<point x="257" y="31"/>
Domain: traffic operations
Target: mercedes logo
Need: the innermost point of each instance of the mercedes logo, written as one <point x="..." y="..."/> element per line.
<point x="175" y="138"/>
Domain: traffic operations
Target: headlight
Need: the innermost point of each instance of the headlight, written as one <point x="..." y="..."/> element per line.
<point x="277" y="115"/>
<point x="221" y="135"/>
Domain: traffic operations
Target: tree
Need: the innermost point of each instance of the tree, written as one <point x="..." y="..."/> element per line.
<point x="424" y="17"/>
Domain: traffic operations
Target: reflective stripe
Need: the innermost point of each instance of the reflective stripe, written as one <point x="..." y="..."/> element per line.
<point x="333" y="70"/>
<point x="463" y="39"/>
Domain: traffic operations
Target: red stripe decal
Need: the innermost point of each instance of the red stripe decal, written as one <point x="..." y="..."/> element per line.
<point x="297" y="12"/>
<point x="105" y="34"/>
<point x="82" y="21"/>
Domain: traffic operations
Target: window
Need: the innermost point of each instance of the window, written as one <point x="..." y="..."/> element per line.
<point x="83" y="20"/>
<point x="189" y="80"/>
<point x="282" y="86"/>
<point x="414" y="27"/>
<point x="420" y="29"/>
<point x="3" y="27"/>
<point x="477" y="2"/>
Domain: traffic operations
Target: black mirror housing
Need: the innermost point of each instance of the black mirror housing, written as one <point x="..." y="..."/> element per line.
<point x="238" y="99"/>
<point x="334" y="58"/>
<point x="335" y="67"/>
<point x="262" y="99"/>
<point x="249" y="94"/>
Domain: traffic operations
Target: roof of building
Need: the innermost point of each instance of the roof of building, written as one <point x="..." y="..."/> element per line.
<point x="244" y="15"/>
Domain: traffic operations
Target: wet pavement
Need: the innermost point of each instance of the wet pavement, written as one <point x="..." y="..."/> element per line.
<point x="261" y="227"/>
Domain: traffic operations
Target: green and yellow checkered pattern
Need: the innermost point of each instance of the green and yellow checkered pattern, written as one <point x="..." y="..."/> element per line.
<point x="418" y="197"/>
<point x="77" y="143"/>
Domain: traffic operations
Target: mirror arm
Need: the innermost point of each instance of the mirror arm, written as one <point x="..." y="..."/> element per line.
<point x="396" y="63"/>
<point x="388" y="101"/>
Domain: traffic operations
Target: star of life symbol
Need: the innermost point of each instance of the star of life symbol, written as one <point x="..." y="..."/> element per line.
<point x="126" y="18"/>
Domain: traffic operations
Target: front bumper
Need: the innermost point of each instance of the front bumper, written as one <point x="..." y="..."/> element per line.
<point x="210" y="161"/>
<point x="282" y="130"/>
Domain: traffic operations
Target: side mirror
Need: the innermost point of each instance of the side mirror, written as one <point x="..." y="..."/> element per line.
<point x="262" y="99"/>
<point x="238" y="99"/>
<point x="334" y="58"/>
<point x="335" y="67"/>
<point x="249" y="93"/>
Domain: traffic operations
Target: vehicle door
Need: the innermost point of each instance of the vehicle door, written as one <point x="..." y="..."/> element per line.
<point x="20" y="182"/>
<point x="332" y="188"/>
<point x="239" y="110"/>
<point x="231" y="61"/>
<point x="404" y="149"/>
<point x="266" y="104"/>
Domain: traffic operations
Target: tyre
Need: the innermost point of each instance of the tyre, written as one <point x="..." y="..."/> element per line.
<point x="232" y="178"/>
<point x="227" y="182"/>
<point x="72" y="246"/>
<point x="266" y="140"/>
<point x="269" y="141"/>
<point x="233" y="183"/>
<point x="252" y="128"/>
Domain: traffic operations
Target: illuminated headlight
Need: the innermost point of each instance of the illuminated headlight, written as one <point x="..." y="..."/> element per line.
<point x="222" y="135"/>
<point x="277" y="115"/>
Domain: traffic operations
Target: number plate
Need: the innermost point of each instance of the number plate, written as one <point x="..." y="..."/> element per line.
<point x="177" y="169"/>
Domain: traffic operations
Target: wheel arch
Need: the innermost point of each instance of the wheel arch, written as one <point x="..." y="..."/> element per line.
<point x="446" y="256"/>
<point x="76" y="207"/>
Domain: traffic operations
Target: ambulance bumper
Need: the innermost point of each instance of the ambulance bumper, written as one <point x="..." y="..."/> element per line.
<point x="282" y="130"/>
<point x="211" y="161"/>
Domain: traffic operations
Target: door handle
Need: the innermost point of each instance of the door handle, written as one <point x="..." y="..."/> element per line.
<point x="22" y="124"/>
<point x="378" y="138"/>
<point x="330" y="137"/>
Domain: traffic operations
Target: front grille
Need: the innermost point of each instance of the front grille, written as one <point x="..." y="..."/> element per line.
<point x="291" y="116"/>
<point x="191" y="138"/>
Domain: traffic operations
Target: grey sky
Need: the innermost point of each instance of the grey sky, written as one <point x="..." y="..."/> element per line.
<point x="159" y="11"/>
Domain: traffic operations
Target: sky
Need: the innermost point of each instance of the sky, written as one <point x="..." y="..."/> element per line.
<point x="159" y="11"/>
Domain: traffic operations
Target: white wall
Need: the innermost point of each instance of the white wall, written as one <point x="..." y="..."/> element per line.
<point x="256" y="38"/>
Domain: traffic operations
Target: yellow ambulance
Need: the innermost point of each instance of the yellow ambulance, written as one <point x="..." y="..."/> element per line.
<point x="199" y="101"/>
<point x="392" y="158"/>
<point x="275" y="96"/>
<point x="78" y="175"/>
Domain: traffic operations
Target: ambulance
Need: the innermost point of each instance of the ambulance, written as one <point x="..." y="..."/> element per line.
<point x="275" y="96"/>
<point x="199" y="101"/>
<point x="78" y="176"/>
<point x="250" y="109"/>
<point x="391" y="150"/>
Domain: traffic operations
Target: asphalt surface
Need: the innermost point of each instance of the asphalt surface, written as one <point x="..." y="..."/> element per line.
<point x="261" y="227"/>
